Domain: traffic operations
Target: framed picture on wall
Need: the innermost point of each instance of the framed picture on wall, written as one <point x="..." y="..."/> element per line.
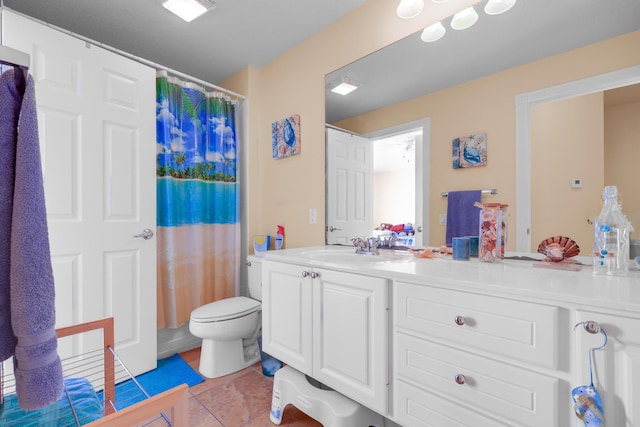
<point x="285" y="137"/>
<point x="470" y="151"/>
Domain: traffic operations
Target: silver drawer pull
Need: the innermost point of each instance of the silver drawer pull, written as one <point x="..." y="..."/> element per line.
<point x="314" y="275"/>
<point x="305" y="273"/>
<point x="459" y="320"/>
<point x="460" y="379"/>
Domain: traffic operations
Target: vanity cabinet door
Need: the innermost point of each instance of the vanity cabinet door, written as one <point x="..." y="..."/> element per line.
<point x="286" y="314"/>
<point x="616" y="372"/>
<point x="350" y="348"/>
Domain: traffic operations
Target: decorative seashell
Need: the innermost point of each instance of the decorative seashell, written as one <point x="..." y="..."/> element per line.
<point x="558" y="248"/>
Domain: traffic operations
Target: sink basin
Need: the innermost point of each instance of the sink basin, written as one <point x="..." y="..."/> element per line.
<point x="348" y="255"/>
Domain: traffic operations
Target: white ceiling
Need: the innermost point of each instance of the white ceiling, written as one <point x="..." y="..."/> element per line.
<point x="213" y="47"/>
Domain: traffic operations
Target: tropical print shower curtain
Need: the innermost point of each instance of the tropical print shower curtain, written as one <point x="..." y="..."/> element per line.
<point x="198" y="225"/>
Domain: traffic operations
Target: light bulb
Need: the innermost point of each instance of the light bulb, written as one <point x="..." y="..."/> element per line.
<point x="408" y="9"/>
<point x="496" y="7"/>
<point x="433" y="32"/>
<point x="464" y="19"/>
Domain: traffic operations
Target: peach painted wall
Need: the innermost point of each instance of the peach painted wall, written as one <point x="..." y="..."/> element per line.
<point x="622" y="142"/>
<point x="567" y="142"/>
<point x="283" y="191"/>
<point x="488" y="105"/>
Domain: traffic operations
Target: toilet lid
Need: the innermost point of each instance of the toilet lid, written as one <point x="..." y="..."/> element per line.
<point x="226" y="309"/>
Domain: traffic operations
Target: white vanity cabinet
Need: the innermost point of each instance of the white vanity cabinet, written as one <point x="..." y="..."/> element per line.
<point x="469" y="359"/>
<point x="330" y="325"/>
<point x="286" y="314"/>
<point x="616" y="372"/>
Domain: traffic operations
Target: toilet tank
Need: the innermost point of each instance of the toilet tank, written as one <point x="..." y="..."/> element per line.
<point x="255" y="277"/>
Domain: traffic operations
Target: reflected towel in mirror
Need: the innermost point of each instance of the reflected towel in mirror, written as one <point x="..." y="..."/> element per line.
<point x="462" y="215"/>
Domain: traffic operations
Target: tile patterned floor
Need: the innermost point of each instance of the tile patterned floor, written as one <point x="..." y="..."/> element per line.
<point x="241" y="399"/>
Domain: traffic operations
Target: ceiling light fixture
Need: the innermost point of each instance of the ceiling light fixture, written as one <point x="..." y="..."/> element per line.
<point x="464" y="19"/>
<point x="433" y="32"/>
<point x="408" y="9"/>
<point x="344" y="86"/>
<point x="189" y="9"/>
<point x="496" y="7"/>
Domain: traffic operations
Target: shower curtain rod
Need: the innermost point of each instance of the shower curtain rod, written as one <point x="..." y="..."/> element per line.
<point x="130" y="56"/>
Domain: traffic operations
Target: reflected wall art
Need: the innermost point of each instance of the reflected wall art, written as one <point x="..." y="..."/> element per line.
<point x="469" y="151"/>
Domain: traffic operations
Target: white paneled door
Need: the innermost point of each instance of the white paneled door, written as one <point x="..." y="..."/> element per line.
<point x="97" y="131"/>
<point x="349" y="187"/>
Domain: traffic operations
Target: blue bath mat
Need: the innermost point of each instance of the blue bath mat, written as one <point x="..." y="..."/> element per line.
<point x="170" y="372"/>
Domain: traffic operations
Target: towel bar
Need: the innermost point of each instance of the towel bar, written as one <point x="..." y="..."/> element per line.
<point x="491" y="191"/>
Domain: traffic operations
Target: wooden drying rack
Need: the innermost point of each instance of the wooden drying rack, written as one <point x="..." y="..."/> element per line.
<point x="173" y="403"/>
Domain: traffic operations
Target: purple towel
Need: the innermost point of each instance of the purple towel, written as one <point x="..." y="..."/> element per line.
<point x="37" y="367"/>
<point x="10" y="101"/>
<point x="462" y="216"/>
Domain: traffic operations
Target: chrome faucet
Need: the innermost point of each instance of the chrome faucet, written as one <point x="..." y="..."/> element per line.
<point x="367" y="246"/>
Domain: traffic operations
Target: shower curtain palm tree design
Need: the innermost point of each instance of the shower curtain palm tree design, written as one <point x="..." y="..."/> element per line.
<point x="197" y="213"/>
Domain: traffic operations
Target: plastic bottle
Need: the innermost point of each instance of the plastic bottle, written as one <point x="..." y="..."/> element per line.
<point x="280" y="237"/>
<point x="611" y="238"/>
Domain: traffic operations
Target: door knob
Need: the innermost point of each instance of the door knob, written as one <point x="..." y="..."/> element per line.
<point x="419" y="229"/>
<point x="332" y="228"/>
<point x="146" y="234"/>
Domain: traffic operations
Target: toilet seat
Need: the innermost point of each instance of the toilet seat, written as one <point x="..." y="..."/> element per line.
<point x="226" y="309"/>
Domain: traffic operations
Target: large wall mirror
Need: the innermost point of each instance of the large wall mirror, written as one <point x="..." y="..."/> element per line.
<point x="441" y="81"/>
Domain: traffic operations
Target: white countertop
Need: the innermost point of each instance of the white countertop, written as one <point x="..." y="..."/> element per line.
<point x="508" y="278"/>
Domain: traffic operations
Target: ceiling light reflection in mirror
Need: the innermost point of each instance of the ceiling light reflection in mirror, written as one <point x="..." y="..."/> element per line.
<point x="408" y="9"/>
<point x="464" y="19"/>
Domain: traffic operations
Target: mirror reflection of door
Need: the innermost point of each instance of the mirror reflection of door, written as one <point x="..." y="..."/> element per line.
<point x="387" y="191"/>
<point x="349" y="167"/>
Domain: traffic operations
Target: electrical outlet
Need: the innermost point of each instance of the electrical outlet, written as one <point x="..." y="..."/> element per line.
<point x="443" y="219"/>
<point x="313" y="216"/>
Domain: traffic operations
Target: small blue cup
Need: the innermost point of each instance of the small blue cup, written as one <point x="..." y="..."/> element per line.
<point x="473" y="245"/>
<point x="461" y="248"/>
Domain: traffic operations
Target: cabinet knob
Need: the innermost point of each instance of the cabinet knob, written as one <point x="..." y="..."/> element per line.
<point x="248" y="263"/>
<point x="305" y="273"/>
<point x="314" y="275"/>
<point x="460" y="379"/>
<point x="459" y="320"/>
<point x="592" y="327"/>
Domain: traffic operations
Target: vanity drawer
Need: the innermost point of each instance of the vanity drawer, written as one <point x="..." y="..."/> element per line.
<point x="419" y="408"/>
<point x="513" y="395"/>
<point x="514" y="329"/>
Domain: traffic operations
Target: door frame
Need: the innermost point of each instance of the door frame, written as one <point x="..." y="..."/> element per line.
<point x="423" y="162"/>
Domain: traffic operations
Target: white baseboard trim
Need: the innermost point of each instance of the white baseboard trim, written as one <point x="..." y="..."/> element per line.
<point x="172" y="341"/>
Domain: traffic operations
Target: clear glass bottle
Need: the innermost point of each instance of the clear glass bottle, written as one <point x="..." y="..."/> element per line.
<point x="611" y="237"/>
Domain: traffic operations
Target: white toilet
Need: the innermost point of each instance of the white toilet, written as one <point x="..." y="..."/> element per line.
<point x="229" y="328"/>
